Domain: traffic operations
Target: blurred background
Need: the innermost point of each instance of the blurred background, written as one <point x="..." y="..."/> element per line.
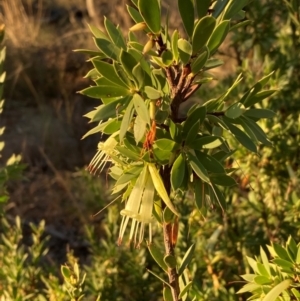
<point x="44" y="123"/>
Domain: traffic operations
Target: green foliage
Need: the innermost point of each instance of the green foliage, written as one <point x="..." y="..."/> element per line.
<point x="171" y="150"/>
<point x="277" y="279"/>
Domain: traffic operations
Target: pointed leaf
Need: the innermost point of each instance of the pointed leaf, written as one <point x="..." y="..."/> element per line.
<point x="174" y="42"/>
<point x="108" y="71"/>
<point x="160" y="188"/>
<point x="139" y="128"/>
<point x="158" y="256"/>
<point x="192" y="133"/>
<point x="257" y="131"/>
<point x="199" y="189"/>
<point x="202" y="32"/>
<point x="185" y="50"/>
<point x="218" y="36"/>
<point x="259" y="113"/>
<point x="276" y="291"/>
<point x="109" y="110"/>
<point x="185" y="289"/>
<point x="222" y="180"/>
<point x="141" y="108"/>
<point x="210" y="163"/>
<point x="252" y="100"/>
<point x="108" y="48"/>
<point x="150" y="11"/>
<point x="186" y="259"/>
<point x="200" y="61"/>
<point x="165" y="144"/>
<point x="134" y="14"/>
<point x="126" y="119"/>
<point x="186" y="10"/>
<point x="202" y="7"/>
<point x="241" y="136"/>
<point x="198" y="168"/>
<point x="105" y="91"/>
<point x="152" y="93"/>
<point x="128" y="62"/>
<point x="178" y="172"/>
<point x="114" y="34"/>
<point x="235" y="110"/>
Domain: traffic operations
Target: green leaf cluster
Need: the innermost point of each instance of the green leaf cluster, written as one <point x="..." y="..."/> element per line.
<point x="275" y="279"/>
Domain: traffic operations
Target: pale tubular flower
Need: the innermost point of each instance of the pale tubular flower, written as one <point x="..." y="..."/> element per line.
<point x="139" y="208"/>
<point x="105" y="150"/>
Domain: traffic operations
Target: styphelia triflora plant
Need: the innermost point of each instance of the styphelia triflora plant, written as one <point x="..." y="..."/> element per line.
<point x="156" y="148"/>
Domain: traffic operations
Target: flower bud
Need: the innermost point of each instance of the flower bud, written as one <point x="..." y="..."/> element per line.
<point x="148" y="46"/>
<point x="138" y="26"/>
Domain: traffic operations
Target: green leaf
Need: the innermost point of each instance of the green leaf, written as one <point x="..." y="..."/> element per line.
<point x="257" y="131"/>
<point x="241" y="136"/>
<point x="170" y="261"/>
<point x="218" y="196"/>
<point x="261" y="280"/>
<point x="198" y="168"/>
<point x="128" y="62"/>
<point x="159" y="278"/>
<point x="178" y="172"/>
<point x="235" y="110"/>
<point x="265" y="261"/>
<point x="284" y="264"/>
<point x="207" y="142"/>
<point x="152" y="93"/>
<point x="218" y="36"/>
<point x="259" y="113"/>
<point x="213" y="63"/>
<point x="97" y="33"/>
<point x="167" y="293"/>
<point x="185" y="289"/>
<point x="176" y="131"/>
<point x="126" y="119"/>
<point x="209" y="162"/>
<point x="114" y="34"/>
<point x="66" y="272"/>
<point x="109" y="110"/>
<point x="200" y="61"/>
<point x="105" y="91"/>
<point x="112" y="126"/>
<point x="108" y="48"/>
<point x="174" y="44"/>
<point x="281" y="252"/>
<point x="276" y="291"/>
<point x="165" y="144"/>
<point x="202" y="7"/>
<point x="195" y="114"/>
<point x="139" y="76"/>
<point x="186" y="259"/>
<point x="141" y="108"/>
<point x="150" y="11"/>
<point x="167" y="57"/>
<point x="129" y="174"/>
<point x="192" y="133"/>
<point x="108" y="71"/>
<point x="202" y="32"/>
<point x="122" y="75"/>
<point x="234" y="8"/>
<point x="160" y="188"/>
<point x="134" y="14"/>
<point x="157" y="255"/>
<point x="139" y="128"/>
<point x="185" y="50"/>
<point x="199" y="190"/>
<point x="222" y="180"/>
<point x="186" y="10"/>
<point x="252" y="100"/>
<point x="219" y="7"/>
